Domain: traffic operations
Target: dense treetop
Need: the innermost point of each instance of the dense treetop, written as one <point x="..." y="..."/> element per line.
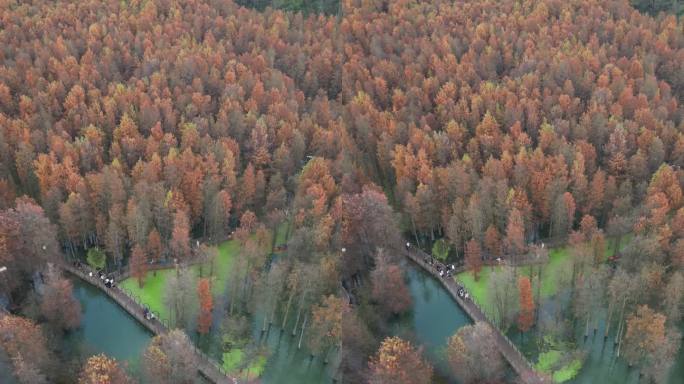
<point x="136" y="126"/>
<point x="517" y="101"/>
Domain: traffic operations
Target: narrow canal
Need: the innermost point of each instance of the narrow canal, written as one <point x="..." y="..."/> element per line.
<point x="106" y="328"/>
<point x="434" y="319"/>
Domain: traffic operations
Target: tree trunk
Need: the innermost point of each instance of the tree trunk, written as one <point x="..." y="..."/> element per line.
<point x="299" y="313"/>
<point x="586" y="328"/>
<point x="608" y="321"/>
<point x="539" y="284"/>
<point x="415" y="233"/>
<point x="620" y="325"/>
<point x="287" y="311"/>
<point x="301" y="335"/>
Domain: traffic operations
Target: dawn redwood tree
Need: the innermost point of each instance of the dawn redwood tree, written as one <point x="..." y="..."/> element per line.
<point x="514" y="242"/>
<point x="180" y="239"/>
<point x="23" y="339"/>
<point x="398" y="362"/>
<point x="29" y="242"/>
<point x="502" y="295"/>
<point x="180" y="298"/>
<point x="154" y="246"/>
<point x="526" y="315"/>
<point x="492" y="242"/>
<point x="326" y="325"/>
<point x="473" y="258"/>
<point x="206" y="305"/>
<point x="101" y="369"/>
<point x="649" y="344"/>
<point x="139" y="264"/>
<point x="58" y="304"/>
<point x="389" y="287"/>
<point x="170" y="359"/>
<point x="474" y="356"/>
<point x="674" y="294"/>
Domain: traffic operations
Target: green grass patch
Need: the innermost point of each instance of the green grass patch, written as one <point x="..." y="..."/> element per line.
<point x="547" y="360"/>
<point x="553" y="271"/>
<point x="561" y="370"/>
<point x="281" y="234"/>
<point x="479" y="289"/>
<point x="568" y="372"/>
<point x="233" y="359"/>
<point x="152" y="293"/>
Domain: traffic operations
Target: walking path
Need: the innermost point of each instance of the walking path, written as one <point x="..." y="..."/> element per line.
<point x="514" y="357"/>
<point x="207" y="367"/>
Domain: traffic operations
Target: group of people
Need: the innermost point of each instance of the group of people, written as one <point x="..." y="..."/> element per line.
<point x="148" y="314"/>
<point x="108" y="282"/>
<point x="462" y="293"/>
<point x="446" y="270"/>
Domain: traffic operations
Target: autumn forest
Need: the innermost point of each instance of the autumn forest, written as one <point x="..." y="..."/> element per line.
<point x="363" y="191"/>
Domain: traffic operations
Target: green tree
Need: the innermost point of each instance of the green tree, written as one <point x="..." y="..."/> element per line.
<point x="440" y="250"/>
<point x="96" y="258"/>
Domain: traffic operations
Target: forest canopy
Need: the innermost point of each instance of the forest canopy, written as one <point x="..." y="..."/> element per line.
<point x="131" y="129"/>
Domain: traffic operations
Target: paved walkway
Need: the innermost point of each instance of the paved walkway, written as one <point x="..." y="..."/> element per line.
<point x="207" y="367"/>
<point x="516" y="359"/>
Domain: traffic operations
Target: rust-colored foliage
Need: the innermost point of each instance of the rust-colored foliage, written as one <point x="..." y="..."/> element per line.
<point x="526" y="315"/>
<point x="100" y="369"/>
<point x="397" y="361"/>
<point x="206" y="304"/>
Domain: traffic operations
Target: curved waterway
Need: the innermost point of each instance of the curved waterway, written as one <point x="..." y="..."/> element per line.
<point x="107" y="328"/>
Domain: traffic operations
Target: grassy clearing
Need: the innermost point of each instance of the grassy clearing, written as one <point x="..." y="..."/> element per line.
<point x="553" y="272"/>
<point x="547" y="360"/>
<point x="478" y="289"/>
<point x="152" y="293"/>
<point x="281" y="234"/>
<point x="233" y="359"/>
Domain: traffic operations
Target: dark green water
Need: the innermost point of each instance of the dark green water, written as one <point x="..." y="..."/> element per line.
<point x="107" y="328"/>
<point x="289" y="365"/>
<point x="6" y="376"/>
<point x="601" y="364"/>
<point x="435" y="317"/>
